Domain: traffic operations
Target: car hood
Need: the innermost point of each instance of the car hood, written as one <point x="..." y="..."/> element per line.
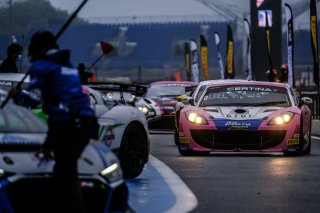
<point x="240" y="113"/>
<point x="18" y="155"/>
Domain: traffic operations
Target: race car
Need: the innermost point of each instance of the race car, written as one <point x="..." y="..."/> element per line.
<point x="165" y="94"/>
<point x="26" y="183"/>
<point x="238" y="116"/>
<point x="126" y="94"/>
<point x="123" y="127"/>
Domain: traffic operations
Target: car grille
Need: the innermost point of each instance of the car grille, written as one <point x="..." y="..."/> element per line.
<point x="38" y="195"/>
<point x="162" y="123"/>
<point x="235" y="140"/>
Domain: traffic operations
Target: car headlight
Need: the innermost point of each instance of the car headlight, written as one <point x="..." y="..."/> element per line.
<point x="195" y="118"/>
<point x="1" y="173"/>
<point x="143" y="109"/>
<point x="112" y="173"/>
<point x="284" y="118"/>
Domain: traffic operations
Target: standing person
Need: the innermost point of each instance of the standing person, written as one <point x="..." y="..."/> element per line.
<point x="14" y="52"/>
<point x="70" y="117"/>
<point x="83" y="73"/>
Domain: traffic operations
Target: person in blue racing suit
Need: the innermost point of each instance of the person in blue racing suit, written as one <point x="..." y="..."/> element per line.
<point x="71" y="119"/>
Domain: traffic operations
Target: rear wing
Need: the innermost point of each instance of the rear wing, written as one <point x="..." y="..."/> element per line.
<point x="136" y="89"/>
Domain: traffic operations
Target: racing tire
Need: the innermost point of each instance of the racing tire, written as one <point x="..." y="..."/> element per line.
<point x="307" y="151"/>
<point x="176" y="138"/>
<point x="134" y="150"/>
<point x="185" y="152"/>
<point x="303" y="140"/>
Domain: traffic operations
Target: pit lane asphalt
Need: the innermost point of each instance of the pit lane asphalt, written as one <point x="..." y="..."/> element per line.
<point x="292" y="190"/>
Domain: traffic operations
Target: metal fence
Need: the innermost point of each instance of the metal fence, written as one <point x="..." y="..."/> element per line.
<point x="314" y="94"/>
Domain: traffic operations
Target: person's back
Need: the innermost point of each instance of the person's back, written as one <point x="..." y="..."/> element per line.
<point x="63" y="92"/>
<point x="70" y="117"/>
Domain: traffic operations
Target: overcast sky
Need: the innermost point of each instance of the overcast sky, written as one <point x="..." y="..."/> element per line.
<point x="143" y="8"/>
<point x="111" y="10"/>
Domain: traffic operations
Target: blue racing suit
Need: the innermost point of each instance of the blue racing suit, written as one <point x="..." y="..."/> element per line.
<point x="60" y="87"/>
<point x="71" y="122"/>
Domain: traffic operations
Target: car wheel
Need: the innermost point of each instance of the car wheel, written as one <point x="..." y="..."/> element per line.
<point x="308" y="141"/>
<point x="305" y="139"/>
<point x="134" y="150"/>
<point x="185" y="152"/>
<point x="176" y="138"/>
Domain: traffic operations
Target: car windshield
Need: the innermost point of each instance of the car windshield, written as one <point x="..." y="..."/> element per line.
<point x="244" y="95"/>
<point x="115" y="95"/>
<point x="17" y="119"/>
<point x="199" y="93"/>
<point x="158" y="90"/>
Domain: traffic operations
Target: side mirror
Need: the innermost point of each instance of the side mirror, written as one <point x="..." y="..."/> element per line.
<point x="304" y="100"/>
<point x="191" y="101"/>
<point x="307" y="100"/>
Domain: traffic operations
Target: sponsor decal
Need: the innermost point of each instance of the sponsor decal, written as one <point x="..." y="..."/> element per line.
<point x="184" y="139"/>
<point x="239" y="116"/>
<point x="13" y="139"/>
<point x="108" y="133"/>
<point x="296" y="136"/>
<point x="248" y="88"/>
<point x="181" y="134"/>
<point x="224" y="124"/>
<point x="294" y="141"/>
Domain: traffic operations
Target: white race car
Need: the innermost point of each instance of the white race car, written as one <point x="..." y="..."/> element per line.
<point x="123" y="128"/>
<point x="26" y="178"/>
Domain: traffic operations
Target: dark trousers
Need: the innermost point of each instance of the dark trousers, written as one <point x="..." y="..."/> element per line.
<point x="69" y="140"/>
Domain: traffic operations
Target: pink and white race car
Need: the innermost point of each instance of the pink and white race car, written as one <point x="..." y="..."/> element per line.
<point x="235" y="116"/>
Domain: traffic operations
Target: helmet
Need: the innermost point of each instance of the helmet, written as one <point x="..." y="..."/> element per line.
<point x="40" y="43"/>
<point x="272" y="77"/>
<point x="284" y="68"/>
<point x="14" y="49"/>
<point x="284" y="72"/>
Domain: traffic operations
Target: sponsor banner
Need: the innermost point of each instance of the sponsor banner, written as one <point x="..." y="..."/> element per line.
<point x="194" y="61"/>
<point x="248" y="32"/>
<point x="271" y="75"/>
<point x="229" y="72"/>
<point x="217" y="41"/>
<point x="187" y="60"/>
<point x="314" y="41"/>
<point x="204" y="56"/>
<point x="290" y="43"/>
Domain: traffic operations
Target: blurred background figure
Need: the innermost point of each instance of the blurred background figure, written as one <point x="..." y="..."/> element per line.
<point x="14" y="52"/>
<point x="284" y="73"/>
<point x="273" y="76"/>
<point x="84" y="74"/>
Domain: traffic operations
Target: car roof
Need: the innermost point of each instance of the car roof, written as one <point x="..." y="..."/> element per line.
<point x="174" y="82"/>
<point x="245" y="82"/>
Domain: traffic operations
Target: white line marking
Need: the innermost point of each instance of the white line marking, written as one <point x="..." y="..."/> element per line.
<point x="185" y="199"/>
<point x="315" y="137"/>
